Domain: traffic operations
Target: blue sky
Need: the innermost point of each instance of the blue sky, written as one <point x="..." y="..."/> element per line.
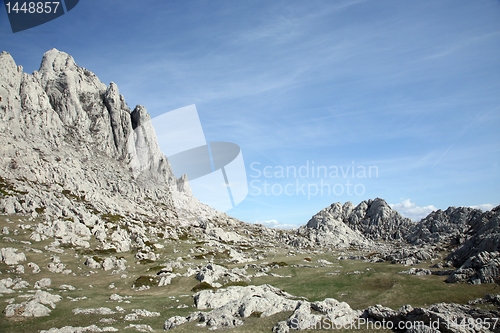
<point x="410" y="89"/>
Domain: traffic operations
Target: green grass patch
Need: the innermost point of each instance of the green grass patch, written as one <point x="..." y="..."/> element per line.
<point x="202" y="286"/>
<point x="146" y="281"/>
<point x="236" y="283"/>
<point x="113" y="218"/>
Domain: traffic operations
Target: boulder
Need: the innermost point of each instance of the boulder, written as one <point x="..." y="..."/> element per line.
<point x="482" y="268"/>
<point x="38" y="305"/>
<point x="43" y="283"/>
<point x="211" y="273"/>
<point x="230" y="306"/>
<point x="11" y="257"/>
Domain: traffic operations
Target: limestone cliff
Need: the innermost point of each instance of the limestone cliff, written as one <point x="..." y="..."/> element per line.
<point x="65" y="135"/>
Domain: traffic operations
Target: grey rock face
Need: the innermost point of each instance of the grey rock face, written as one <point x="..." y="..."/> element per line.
<point x="345" y="225"/>
<point x="67" y="105"/>
<point x="230" y="306"/>
<point x="73" y="150"/>
<point x="378" y="221"/>
<point x="447" y="227"/>
<point x="482" y="268"/>
<point x="483" y="236"/>
<point x="328" y="228"/>
<point x="441" y="317"/>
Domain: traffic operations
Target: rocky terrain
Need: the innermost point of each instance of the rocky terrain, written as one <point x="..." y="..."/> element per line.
<point x="96" y="234"/>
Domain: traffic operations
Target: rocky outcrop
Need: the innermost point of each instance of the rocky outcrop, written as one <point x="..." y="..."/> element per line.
<point x="478" y="258"/>
<point x="441" y="317"/>
<point x="483" y="235"/>
<point x="482" y="268"/>
<point x="448" y="227"/>
<point x="328" y="228"/>
<point x="345" y="225"/>
<point x="378" y="221"/>
<point x="76" y="137"/>
<point x="327" y="314"/>
<point x="38" y="305"/>
<point x="213" y="274"/>
<point x="230" y="306"/>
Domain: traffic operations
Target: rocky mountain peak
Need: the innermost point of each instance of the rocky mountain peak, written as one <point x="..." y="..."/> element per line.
<point x="10" y="73"/>
<point x="369" y="220"/>
<point x="377" y="220"/>
<point x="64" y="130"/>
<point x="55" y="61"/>
<point x="331" y="215"/>
<point x="328" y="227"/>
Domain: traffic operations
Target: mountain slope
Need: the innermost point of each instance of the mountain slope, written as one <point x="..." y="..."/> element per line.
<point x="64" y="130"/>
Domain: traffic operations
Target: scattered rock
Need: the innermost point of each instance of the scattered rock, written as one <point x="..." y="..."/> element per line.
<point x="71" y="329"/>
<point x="43" y="283"/>
<point x="98" y="311"/>
<point x="11" y="257"/>
<point x="138" y="313"/>
<point x="417" y="271"/>
<point x="140" y="327"/>
<point x="67" y="287"/>
<point x="5" y="286"/>
<point x="56" y="266"/>
<point x="34" y="267"/>
<point x="35" y="306"/>
<point x="109" y="263"/>
<point x="211" y="273"/>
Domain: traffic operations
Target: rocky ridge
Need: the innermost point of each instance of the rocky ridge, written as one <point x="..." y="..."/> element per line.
<point x="361" y="225"/>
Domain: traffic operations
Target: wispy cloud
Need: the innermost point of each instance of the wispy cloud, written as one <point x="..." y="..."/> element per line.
<point x="410" y="209"/>
<point x="276" y="224"/>
<point x="484" y="207"/>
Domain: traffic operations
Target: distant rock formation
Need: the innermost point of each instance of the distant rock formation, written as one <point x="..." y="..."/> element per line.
<point x="329" y="228"/>
<point x="346" y="225"/>
<point x="474" y="235"/>
<point x="448" y="227"/>
<point x="378" y="221"/>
